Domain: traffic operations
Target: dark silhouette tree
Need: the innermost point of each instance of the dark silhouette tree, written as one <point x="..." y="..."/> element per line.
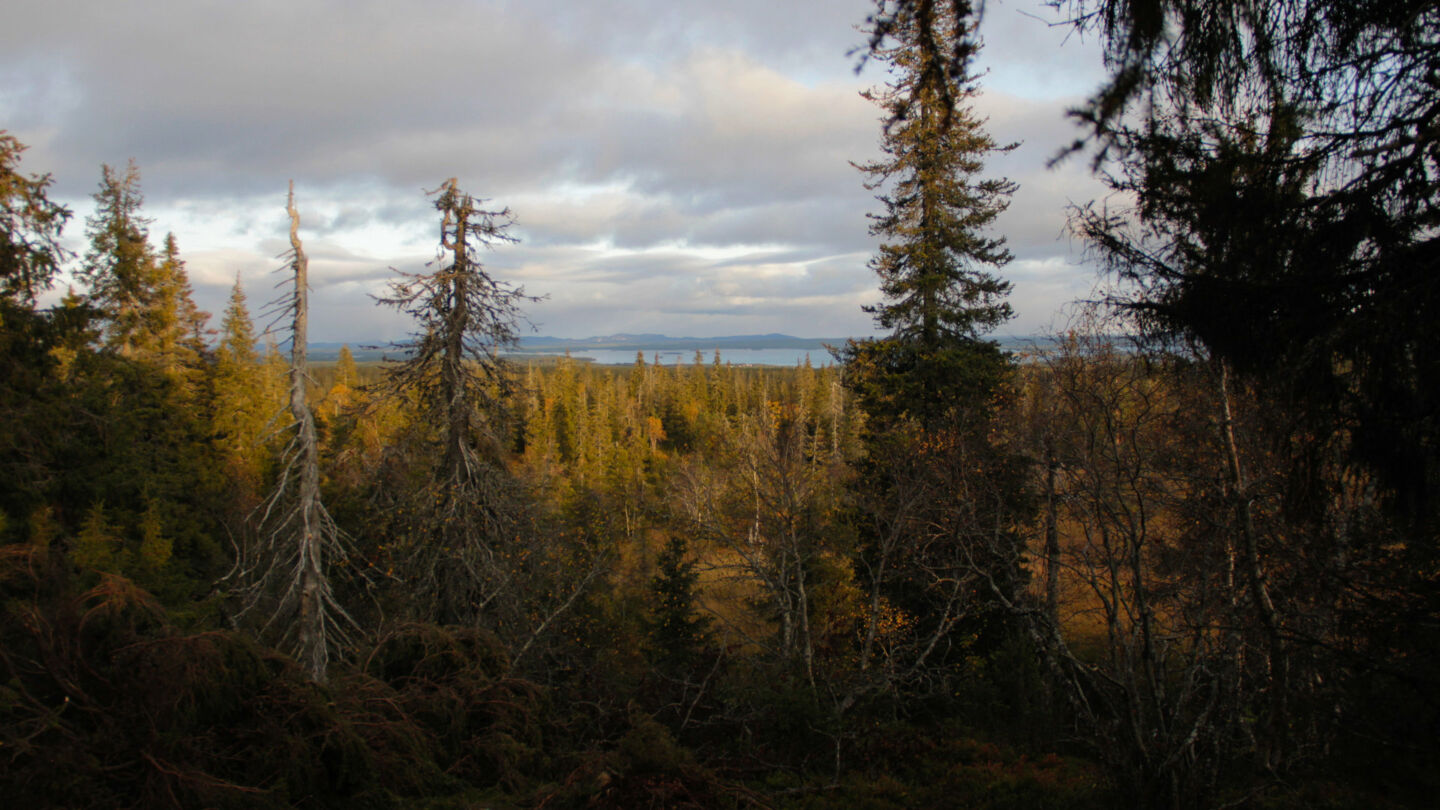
<point x="1285" y="163"/>
<point x="1284" y="166"/>
<point x="32" y="342"/>
<point x="30" y="227"/>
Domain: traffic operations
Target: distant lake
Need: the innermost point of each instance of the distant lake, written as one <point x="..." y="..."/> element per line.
<point x="819" y="355"/>
<point x="669" y="357"/>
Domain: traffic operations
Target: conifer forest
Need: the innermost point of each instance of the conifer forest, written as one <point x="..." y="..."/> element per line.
<point x="1183" y="554"/>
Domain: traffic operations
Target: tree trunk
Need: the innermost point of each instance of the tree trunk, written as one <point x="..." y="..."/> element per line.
<point x="1052" y="540"/>
<point x="1278" y="664"/>
<point x="313" y="649"/>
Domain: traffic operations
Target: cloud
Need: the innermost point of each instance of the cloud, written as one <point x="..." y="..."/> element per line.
<point x="670" y="165"/>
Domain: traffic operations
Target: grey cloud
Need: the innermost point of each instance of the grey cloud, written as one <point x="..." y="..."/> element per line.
<point x="798" y="33"/>
<point x="635" y="142"/>
<point x="270" y="88"/>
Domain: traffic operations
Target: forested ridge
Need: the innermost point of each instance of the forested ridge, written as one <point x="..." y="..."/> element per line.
<point x="1195" y="568"/>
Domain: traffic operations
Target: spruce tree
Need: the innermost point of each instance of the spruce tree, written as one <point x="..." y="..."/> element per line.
<point x="175" y="325"/>
<point x="346" y="372"/>
<point x="937" y="264"/>
<point x="120" y="267"/>
<point x="35" y="347"/>
<point x="242" y="408"/>
<point x="342" y="391"/>
<point x="237" y="330"/>
<point x="1283" y="160"/>
<point x="934" y="266"/>
<point x="30" y="226"/>
<point x="147" y="441"/>
<point x="675" y="633"/>
<point x="97" y="546"/>
<point x="186" y="324"/>
<point x="144" y="298"/>
<point x="938" y="498"/>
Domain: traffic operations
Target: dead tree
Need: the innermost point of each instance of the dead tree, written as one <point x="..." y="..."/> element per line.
<point x="285" y="575"/>
<point x="454" y="540"/>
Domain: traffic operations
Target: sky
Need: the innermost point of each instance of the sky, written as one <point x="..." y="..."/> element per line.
<point x="673" y="166"/>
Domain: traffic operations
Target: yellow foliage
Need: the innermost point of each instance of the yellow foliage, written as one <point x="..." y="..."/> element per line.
<point x="97" y="547"/>
<point x="64" y="358"/>
<point x="42" y="527"/>
<point x="155" y="547"/>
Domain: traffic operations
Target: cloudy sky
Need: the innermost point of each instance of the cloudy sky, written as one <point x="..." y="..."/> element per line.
<point x="674" y="166"/>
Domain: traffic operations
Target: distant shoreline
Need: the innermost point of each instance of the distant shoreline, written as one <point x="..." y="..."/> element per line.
<point x="760" y="350"/>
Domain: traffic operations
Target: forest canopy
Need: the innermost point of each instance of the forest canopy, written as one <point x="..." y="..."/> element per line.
<point x="1183" y="555"/>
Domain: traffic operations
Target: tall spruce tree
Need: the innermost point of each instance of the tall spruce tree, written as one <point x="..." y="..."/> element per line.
<point x="144" y="298"/>
<point x="933" y="266"/>
<point x="936" y="265"/>
<point x="939" y="500"/>
<point x="146" y="451"/>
